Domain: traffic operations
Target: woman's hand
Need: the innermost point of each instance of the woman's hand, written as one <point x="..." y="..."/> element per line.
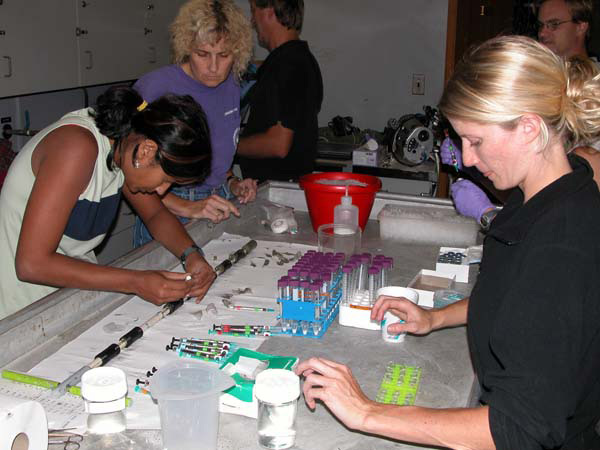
<point x="214" y="208"/>
<point x="416" y="319"/>
<point x="202" y="273"/>
<point x="161" y="286"/>
<point x="334" y="385"/>
<point x="244" y="190"/>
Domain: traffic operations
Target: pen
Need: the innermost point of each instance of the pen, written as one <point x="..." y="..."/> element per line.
<point x="251" y="308"/>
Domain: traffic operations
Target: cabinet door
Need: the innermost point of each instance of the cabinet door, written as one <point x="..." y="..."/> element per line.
<point x="110" y="40"/>
<point x="37" y="46"/>
<point x="159" y="14"/>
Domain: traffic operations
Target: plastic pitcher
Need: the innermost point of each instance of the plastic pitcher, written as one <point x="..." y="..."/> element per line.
<point x="188" y="399"/>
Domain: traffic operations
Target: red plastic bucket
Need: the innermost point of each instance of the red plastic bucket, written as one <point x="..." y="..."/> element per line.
<point x="322" y="198"/>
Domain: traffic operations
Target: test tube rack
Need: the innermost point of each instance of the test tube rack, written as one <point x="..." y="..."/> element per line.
<point x="400" y="385"/>
<point x="305" y="312"/>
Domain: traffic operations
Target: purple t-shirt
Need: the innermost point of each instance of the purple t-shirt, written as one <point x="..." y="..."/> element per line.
<point x="221" y="105"/>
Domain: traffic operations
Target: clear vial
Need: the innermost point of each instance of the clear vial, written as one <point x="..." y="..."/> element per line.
<point x="346" y="280"/>
<point x="304" y="326"/>
<point x="305" y="291"/>
<point x="295" y="290"/>
<point x="373" y="273"/>
<point x="316" y="326"/>
<point x="315" y="293"/>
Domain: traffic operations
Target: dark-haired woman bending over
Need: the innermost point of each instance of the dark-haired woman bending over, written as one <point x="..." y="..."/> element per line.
<point x="63" y="190"/>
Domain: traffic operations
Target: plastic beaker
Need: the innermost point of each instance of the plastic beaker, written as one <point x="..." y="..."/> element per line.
<point x="188" y="400"/>
<point x="339" y="238"/>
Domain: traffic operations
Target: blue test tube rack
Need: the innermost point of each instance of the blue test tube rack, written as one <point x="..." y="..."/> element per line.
<point x="305" y="311"/>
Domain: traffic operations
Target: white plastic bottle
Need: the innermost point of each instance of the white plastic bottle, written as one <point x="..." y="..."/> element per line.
<point x="346" y="213"/>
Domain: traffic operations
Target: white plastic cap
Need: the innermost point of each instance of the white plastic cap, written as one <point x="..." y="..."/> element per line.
<point x="277" y="386"/>
<point x="104" y="389"/>
<point x="279" y="226"/>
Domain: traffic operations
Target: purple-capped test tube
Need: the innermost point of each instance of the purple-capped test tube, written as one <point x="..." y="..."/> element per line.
<point x="281" y="287"/>
<point x="293" y="274"/>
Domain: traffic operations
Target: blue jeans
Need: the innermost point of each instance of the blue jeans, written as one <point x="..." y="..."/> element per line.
<point x="141" y="235"/>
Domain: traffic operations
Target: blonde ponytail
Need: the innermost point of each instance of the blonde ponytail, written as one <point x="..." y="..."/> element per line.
<point x="582" y="107"/>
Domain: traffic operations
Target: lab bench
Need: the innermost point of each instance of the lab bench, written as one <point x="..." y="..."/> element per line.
<point x="447" y="379"/>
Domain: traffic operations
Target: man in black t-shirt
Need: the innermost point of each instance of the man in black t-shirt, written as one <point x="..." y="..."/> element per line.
<point x="280" y="137"/>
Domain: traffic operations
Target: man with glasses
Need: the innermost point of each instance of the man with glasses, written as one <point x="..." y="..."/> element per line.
<point x="564" y="26"/>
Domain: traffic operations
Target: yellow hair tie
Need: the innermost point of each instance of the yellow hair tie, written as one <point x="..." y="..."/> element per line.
<point x="142" y="106"/>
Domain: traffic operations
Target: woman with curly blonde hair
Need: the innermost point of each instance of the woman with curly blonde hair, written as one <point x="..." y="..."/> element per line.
<point x="212" y="44"/>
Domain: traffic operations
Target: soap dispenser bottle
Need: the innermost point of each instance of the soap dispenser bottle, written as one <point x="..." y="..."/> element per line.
<point x="346" y="213"/>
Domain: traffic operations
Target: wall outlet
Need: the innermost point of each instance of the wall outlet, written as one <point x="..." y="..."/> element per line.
<point x="418" y="84"/>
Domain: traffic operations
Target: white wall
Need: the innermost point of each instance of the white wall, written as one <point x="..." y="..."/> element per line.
<point x="368" y="51"/>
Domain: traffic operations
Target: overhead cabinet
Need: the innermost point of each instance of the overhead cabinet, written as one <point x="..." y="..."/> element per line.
<point x="38" y="49"/>
<point x="50" y="45"/>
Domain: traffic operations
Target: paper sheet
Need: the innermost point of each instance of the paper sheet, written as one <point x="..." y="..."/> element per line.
<point x="249" y="274"/>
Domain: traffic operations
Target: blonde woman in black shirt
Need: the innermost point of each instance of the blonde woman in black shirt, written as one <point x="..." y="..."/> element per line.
<point x="533" y="316"/>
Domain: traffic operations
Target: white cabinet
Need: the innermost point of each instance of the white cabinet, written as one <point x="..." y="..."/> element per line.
<point x="110" y="38"/>
<point x="157" y="18"/>
<point x="60" y="44"/>
<point x="38" y="50"/>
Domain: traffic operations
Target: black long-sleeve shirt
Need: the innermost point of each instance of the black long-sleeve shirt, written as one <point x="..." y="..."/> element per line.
<point x="534" y="317"/>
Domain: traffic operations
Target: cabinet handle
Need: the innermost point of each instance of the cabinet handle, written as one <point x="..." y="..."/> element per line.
<point x="9" y="61"/>
<point x="90" y="59"/>
<point x="152" y="59"/>
<point x="80" y="32"/>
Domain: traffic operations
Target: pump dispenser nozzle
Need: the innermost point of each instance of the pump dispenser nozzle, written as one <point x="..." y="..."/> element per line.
<point x="346" y="199"/>
<point x="346" y="213"/>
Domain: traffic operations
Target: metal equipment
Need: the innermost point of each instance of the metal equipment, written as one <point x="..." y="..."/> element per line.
<point x="413" y="138"/>
<point x="412" y="142"/>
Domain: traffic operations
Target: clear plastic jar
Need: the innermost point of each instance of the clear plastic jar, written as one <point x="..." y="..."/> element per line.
<point x="277" y="392"/>
<point x="103" y="390"/>
<point x="277" y="424"/>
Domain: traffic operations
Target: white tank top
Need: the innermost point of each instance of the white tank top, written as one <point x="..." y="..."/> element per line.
<point x="88" y="223"/>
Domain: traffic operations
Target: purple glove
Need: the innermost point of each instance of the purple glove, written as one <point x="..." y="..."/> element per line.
<point x="470" y="200"/>
<point x="451" y="154"/>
